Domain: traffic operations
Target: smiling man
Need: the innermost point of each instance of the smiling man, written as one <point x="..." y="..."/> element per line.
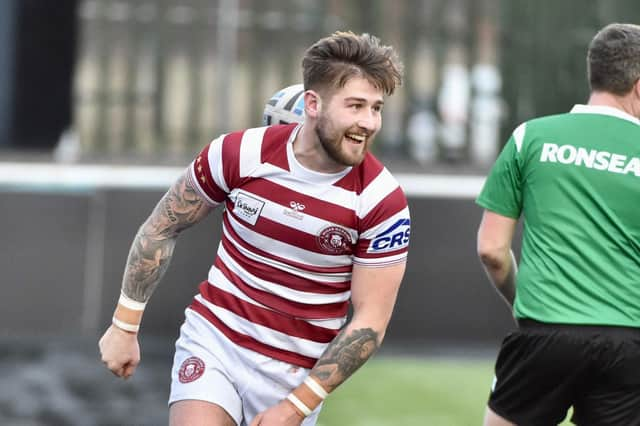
<point x="312" y="221"/>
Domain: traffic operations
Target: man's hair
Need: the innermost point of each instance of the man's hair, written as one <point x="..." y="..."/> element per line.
<point x="613" y="59"/>
<point x="332" y="61"/>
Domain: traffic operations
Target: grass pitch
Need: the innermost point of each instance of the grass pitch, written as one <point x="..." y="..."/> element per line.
<point x="412" y="392"/>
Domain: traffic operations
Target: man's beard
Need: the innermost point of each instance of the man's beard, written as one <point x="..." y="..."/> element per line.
<point x="332" y="144"/>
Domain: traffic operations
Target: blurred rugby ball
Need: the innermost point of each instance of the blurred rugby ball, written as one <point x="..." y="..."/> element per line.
<point x="285" y="106"/>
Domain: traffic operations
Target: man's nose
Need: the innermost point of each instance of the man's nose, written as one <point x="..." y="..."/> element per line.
<point x="368" y="120"/>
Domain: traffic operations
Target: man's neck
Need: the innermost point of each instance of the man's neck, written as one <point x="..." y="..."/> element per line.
<point x="310" y="153"/>
<point x="624" y="103"/>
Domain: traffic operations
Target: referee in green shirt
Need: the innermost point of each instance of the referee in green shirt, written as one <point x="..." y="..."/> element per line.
<point x="575" y="180"/>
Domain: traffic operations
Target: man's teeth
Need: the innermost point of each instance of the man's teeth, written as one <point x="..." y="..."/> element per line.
<point x="359" y="138"/>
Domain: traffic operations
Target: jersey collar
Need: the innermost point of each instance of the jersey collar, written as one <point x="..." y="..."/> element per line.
<point x="606" y="110"/>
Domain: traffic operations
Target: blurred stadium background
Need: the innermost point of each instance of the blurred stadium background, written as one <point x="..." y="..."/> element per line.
<point x="102" y="102"/>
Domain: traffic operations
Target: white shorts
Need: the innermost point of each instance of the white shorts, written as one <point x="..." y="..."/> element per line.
<point x="209" y="367"/>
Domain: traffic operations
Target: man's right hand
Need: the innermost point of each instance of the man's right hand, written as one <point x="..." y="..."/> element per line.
<point x="120" y="351"/>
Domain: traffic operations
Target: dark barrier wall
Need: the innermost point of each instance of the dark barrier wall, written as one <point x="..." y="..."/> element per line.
<point x="42" y="256"/>
<point x="62" y="257"/>
<point x="445" y="294"/>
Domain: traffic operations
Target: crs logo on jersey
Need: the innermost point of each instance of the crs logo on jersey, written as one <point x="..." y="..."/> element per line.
<point x="393" y="238"/>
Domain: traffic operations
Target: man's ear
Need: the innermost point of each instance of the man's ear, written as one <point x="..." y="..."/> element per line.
<point x="312" y="104"/>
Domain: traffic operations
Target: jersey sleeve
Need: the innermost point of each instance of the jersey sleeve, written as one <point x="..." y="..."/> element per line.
<point x="385" y="228"/>
<point x="502" y="190"/>
<point x="214" y="171"/>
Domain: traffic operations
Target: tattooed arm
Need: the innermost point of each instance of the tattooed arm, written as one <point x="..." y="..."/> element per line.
<point x="373" y="294"/>
<point x="148" y="260"/>
<point x="153" y="245"/>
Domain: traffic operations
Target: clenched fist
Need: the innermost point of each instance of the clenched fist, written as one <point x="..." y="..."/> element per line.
<point x="120" y="351"/>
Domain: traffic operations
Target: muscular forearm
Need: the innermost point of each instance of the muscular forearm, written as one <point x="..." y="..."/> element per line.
<point x="351" y="348"/>
<point x="147" y="262"/>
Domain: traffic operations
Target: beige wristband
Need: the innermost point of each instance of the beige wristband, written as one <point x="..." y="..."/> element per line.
<point x="133" y="328"/>
<point x="315" y="387"/>
<point x="301" y="406"/>
<point x="128" y="314"/>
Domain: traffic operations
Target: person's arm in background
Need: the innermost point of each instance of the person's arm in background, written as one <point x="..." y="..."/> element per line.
<point x="373" y="296"/>
<point x="149" y="256"/>
<point x="495" y="235"/>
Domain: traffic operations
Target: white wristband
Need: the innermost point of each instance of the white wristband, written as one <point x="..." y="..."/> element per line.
<point x="299" y="404"/>
<point x="125" y="326"/>
<point x="130" y="303"/>
<point x="315" y="387"/>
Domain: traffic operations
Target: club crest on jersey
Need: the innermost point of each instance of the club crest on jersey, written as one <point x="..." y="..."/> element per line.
<point x="393" y="238"/>
<point x="191" y="369"/>
<point x="334" y="240"/>
<point x="247" y="207"/>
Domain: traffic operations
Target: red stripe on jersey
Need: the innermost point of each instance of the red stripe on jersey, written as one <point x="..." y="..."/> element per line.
<point x="251" y="343"/>
<point x="202" y="171"/>
<point x="289" y="307"/>
<point x="274" y="145"/>
<point x="319" y="208"/>
<point x="269" y="273"/>
<point x="362" y="175"/>
<point x="390" y="205"/>
<point x="235" y="239"/>
<point x="231" y="158"/>
<point x="266" y="317"/>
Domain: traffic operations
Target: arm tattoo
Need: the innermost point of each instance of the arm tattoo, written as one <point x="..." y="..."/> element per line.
<point x="153" y="245"/>
<point x="344" y="355"/>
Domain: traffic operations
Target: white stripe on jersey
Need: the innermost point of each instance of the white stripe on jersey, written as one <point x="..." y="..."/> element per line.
<point x="373" y="262"/>
<point x="381" y="186"/>
<point x="265" y="334"/>
<point x="332" y="323"/>
<point x="250" y="150"/>
<point x="333" y="194"/>
<point x="271" y="287"/>
<point x="518" y="135"/>
<point x="215" y="152"/>
<point x="284" y="250"/>
<point x="218" y="280"/>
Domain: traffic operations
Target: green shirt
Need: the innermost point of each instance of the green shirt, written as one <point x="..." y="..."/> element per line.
<point x="575" y="178"/>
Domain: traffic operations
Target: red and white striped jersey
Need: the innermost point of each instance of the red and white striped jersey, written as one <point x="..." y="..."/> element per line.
<point x="280" y="283"/>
